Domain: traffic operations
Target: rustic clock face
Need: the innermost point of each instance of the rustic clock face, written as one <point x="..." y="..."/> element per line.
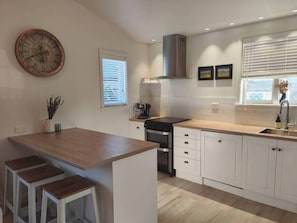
<point x="39" y="52"/>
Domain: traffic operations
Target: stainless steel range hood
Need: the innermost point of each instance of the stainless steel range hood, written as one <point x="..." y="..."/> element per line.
<point x="174" y="57"/>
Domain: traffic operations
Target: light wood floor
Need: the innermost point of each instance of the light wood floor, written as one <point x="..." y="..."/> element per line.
<point x="181" y="201"/>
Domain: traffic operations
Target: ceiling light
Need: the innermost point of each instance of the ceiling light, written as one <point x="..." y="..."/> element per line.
<point x="294" y="11"/>
<point x="260" y="17"/>
<point x="207" y="29"/>
<point x="153" y="40"/>
<point x="231" y="23"/>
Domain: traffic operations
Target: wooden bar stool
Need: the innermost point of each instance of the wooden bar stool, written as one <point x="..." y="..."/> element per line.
<point x="12" y="167"/>
<point x="63" y="192"/>
<point x="32" y="179"/>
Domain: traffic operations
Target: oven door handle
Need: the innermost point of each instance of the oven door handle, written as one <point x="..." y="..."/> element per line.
<point x="165" y="150"/>
<point x="157" y="132"/>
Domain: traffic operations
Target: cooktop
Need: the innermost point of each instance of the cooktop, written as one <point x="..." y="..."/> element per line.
<point x="163" y="124"/>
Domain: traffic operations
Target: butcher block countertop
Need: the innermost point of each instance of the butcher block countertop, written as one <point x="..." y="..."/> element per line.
<point x="84" y="149"/>
<point x="224" y="127"/>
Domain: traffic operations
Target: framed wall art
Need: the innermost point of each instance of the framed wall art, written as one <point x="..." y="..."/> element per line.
<point x="224" y="71"/>
<point x="205" y="73"/>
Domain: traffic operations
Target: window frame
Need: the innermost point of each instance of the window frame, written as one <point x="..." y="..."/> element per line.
<point x="115" y="55"/>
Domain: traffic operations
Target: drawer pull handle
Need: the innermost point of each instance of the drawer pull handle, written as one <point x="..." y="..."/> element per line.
<point x="279" y="150"/>
<point x="186" y="134"/>
<point x="137" y="127"/>
<point x="186" y="162"/>
<point x="186" y="152"/>
<point x="273" y="149"/>
<point x="219" y="141"/>
<point x="186" y="142"/>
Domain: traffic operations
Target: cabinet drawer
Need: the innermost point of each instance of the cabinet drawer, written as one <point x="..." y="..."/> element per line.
<point x="184" y="163"/>
<point x="185" y="143"/>
<point x="186" y="133"/>
<point x="186" y="153"/>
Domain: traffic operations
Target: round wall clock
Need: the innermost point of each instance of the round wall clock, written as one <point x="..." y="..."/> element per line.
<point x="39" y="52"/>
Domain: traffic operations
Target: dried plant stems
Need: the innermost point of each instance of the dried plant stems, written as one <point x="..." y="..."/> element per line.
<point x="53" y="104"/>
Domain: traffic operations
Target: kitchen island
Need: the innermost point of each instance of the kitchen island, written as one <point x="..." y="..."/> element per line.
<point x="124" y="169"/>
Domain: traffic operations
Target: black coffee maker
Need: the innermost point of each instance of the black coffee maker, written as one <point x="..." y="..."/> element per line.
<point x="143" y="110"/>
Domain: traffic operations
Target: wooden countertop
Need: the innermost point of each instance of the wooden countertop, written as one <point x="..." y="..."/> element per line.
<point x="142" y="120"/>
<point x="225" y="127"/>
<point x="83" y="148"/>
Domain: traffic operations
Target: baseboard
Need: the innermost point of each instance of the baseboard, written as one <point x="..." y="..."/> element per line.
<point x="221" y="186"/>
<point x="272" y="201"/>
<point x="188" y="176"/>
<point x="261" y="198"/>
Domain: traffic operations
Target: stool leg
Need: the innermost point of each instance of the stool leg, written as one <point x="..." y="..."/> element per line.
<point x="95" y="205"/>
<point x="18" y="201"/>
<point x="61" y="215"/>
<point x="5" y="190"/>
<point x="32" y="203"/>
<point x="43" y="207"/>
<point x="14" y="191"/>
<point x="1" y="214"/>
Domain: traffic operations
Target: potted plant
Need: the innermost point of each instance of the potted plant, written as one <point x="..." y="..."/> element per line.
<point x="283" y="87"/>
<point x="53" y="103"/>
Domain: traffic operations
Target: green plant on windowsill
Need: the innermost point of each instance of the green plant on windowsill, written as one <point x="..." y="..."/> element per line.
<point x="53" y="103"/>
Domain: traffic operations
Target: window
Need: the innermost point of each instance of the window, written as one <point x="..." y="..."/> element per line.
<point x="258" y="91"/>
<point x="266" y="61"/>
<point x="113" y="77"/>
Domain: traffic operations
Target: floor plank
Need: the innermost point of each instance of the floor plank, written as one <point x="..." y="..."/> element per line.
<point x="181" y="201"/>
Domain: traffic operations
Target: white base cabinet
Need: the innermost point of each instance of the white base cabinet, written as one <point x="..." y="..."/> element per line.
<point x="136" y="130"/>
<point x="221" y="157"/>
<point x="259" y="161"/>
<point x="186" y="158"/>
<point x="286" y="171"/>
<point x="269" y="167"/>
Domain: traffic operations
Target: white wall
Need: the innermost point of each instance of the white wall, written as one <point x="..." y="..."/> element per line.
<point x="23" y="96"/>
<point x="192" y="98"/>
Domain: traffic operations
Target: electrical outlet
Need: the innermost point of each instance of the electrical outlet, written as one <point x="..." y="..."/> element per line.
<point x="20" y="129"/>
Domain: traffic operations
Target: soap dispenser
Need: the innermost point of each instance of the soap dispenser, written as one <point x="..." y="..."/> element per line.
<point x="278" y="123"/>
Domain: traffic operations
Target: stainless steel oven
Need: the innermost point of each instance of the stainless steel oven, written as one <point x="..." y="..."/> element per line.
<point x="160" y="130"/>
<point x="165" y="151"/>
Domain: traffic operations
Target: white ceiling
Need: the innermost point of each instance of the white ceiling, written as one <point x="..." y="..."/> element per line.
<point x="145" y="20"/>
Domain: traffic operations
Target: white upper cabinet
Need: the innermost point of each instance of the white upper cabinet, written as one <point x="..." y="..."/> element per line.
<point x="221" y="157"/>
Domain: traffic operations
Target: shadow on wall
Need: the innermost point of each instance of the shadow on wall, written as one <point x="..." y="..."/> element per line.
<point x="150" y="92"/>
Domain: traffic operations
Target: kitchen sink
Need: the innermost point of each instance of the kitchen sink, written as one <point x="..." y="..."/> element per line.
<point x="283" y="132"/>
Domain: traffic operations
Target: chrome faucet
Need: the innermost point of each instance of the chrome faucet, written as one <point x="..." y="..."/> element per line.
<point x="287" y="124"/>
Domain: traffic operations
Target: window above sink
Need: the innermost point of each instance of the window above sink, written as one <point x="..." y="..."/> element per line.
<point x="266" y="61"/>
<point x="263" y="91"/>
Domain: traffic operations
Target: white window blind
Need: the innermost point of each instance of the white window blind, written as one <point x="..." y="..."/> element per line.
<point x="277" y="56"/>
<point x="113" y="79"/>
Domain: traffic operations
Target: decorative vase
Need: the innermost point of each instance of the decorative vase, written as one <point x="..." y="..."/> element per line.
<point x="48" y="126"/>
